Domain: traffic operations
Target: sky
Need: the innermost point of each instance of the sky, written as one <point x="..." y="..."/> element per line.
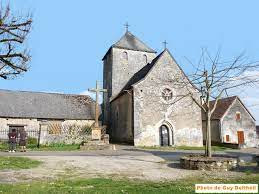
<point x="69" y="38"/>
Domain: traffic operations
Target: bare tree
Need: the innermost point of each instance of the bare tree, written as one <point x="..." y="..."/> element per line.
<point x="14" y="30"/>
<point x="213" y="79"/>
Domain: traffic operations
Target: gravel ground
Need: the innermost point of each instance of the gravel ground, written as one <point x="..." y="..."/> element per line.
<point x="126" y="162"/>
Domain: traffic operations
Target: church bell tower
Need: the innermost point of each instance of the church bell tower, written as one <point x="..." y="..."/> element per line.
<point x="120" y="63"/>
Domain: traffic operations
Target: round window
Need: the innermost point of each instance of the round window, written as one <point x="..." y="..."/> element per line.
<point x="167" y="94"/>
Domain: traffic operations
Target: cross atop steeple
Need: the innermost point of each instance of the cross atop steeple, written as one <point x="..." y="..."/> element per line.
<point x="165" y="43"/>
<point x="127" y="26"/>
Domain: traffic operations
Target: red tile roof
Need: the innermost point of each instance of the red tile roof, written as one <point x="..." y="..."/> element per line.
<point x="222" y="107"/>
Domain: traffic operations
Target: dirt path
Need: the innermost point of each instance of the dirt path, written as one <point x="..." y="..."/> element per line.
<point x="133" y="165"/>
<point x="136" y="167"/>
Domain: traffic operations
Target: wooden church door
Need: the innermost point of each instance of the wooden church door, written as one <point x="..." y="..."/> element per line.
<point x="164" y="135"/>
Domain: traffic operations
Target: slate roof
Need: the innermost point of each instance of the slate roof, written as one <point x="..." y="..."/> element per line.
<point x="22" y="104"/>
<point x="131" y="42"/>
<point x="223" y="105"/>
<point x="141" y="74"/>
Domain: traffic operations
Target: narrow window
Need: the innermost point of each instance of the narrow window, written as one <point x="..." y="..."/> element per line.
<point x="227" y="138"/>
<point x="238" y="116"/>
<point x="117" y="113"/>
<point x="125" y="56"/>
<point x="145" y="59"/>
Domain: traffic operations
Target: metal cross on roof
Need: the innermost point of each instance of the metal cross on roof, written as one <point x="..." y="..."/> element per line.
<point x="165" y="43"/>
<point x="97" y="90"/>
<point x="127" y="26"/>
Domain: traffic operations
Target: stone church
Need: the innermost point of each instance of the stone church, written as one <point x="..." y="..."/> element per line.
<point x="142" y="105"/>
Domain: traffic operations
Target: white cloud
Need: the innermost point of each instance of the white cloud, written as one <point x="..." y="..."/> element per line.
<point x="250" y="74"/>
<point x="92" y="95"/>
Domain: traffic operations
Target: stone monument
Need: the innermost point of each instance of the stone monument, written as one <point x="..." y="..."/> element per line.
<point x="99" y="140"/>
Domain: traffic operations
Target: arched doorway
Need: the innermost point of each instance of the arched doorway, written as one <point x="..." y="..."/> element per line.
<point x="164" y="135"/>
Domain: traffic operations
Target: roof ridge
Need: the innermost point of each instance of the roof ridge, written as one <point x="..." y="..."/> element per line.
<point x="130" y="42"/>
<point x="42" y="92"/>
<point x="224" y="105"/>
<point x="147" y="67"/>
<point x="234" y="96"/>
<point x="128" y="33"/>
<point x="27" y="104"/>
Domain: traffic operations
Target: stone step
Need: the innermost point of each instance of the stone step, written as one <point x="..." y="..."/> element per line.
<point x="94" y="142"/>
<point x="96" y="147"/>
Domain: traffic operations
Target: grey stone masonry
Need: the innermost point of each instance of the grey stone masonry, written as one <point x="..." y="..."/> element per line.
<point x="230" y="125"/>
<point x="180" y="115"/>
<point x="120" y="63"/>
<point x="143" y="105"/>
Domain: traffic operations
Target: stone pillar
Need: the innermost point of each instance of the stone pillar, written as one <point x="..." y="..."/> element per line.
<point x="43" y="132"/>
<point x="96" y="133"/>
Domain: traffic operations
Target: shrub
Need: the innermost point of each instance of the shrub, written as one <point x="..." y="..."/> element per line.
<point x="32" y="140"/>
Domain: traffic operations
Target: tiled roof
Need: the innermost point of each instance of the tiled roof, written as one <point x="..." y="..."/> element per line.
<point x="223" y="105"/>
<point x="20" y="104"/>
<point x="141" y="73"/>
<point x="130" y="42"/>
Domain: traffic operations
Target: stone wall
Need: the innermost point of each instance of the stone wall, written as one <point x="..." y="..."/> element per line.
<point x="215" y="163"/>
<point x="69" y="131"/>
<point x="29" y="124"/>
<point x="230" y="125"/>
<point x="107" y="84"/>
<point x="121" y="110"/>
<point x="181" y="115"/>
<point x="45" y="137"/>
<point x="117" y="71"/>
<point x="123" y="70"/>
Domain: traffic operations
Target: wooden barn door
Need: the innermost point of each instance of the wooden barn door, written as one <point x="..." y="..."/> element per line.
<point x="240" y="136"/>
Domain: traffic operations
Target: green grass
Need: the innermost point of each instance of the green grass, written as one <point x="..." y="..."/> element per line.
<point x="99" y="185"/>
<point x="51" y="147"/>
<point x="56" y="147"/>
<point x="3" y="146"/>
<point x="16" y="163"/>
<point x="214" y="148"/>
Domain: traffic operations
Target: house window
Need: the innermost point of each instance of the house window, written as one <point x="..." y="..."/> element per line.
<point x="227" y="138"/>
<point x="145" y="58"/>
<point x="167" y="94"/>
<point x="238" y="116"/>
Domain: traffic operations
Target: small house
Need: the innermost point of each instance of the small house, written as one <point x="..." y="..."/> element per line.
<point x="232" y="123"/>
